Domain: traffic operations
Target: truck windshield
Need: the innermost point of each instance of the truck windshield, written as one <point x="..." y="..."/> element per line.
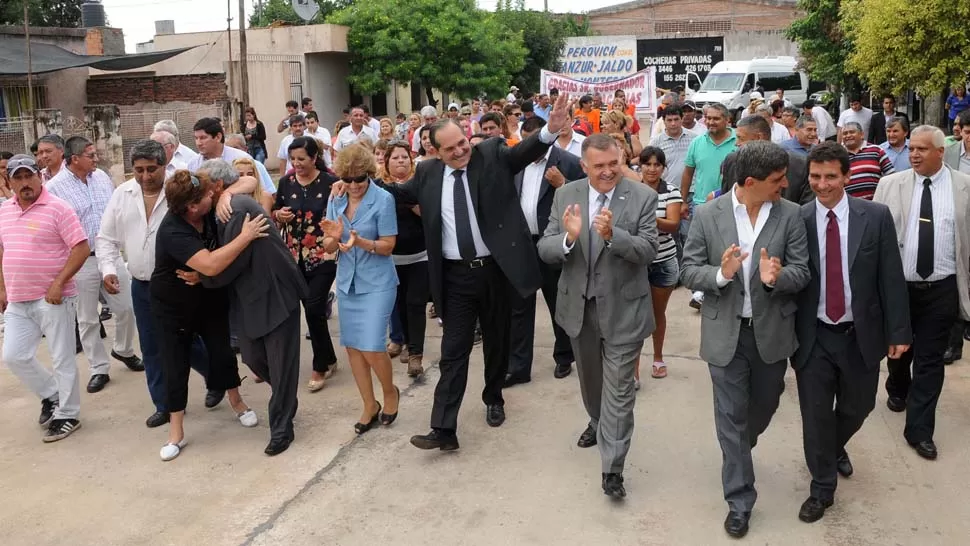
<point x="722" y="82"/>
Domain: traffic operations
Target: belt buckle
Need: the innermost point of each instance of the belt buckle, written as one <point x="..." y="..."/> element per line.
<point x="476" y="263"/>
<point x="747" y="321"/>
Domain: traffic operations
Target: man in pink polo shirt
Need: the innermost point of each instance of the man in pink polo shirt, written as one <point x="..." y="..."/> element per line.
<point x="42" y="246"/>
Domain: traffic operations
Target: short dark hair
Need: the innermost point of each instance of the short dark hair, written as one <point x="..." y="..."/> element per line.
<point x="292" y="104"/>
<point x="776" y="107"/>
<point x="297" y="118"/>
<point x="829" y="151"/>
<point x="889" y="96"/>
<point x="306" y="101"/>
<point x="599" y="141"/>
<point x="756" y="124"/>
<point x="75" y="146"/>
<point x="54" y="139"/>
<point x="809" y="103"/>
<point x="364" y="108"/>
<point x="494" y="117"/>
<point x="6" y="155"/>
<point x="964" y="118"/>
<point x="855" y="97"/>
<point x="759" y="160"/>
<point x="400" y="115"/>
<point x="211" y="126"/>
<point x="150" y="150"/>
<point x="553" y="91"/>
<point x="533" y="124"/>
<point x="652" y="152"/>
<point x="439" y="125"/>
<point x="673" y="110"/>
<point x="312" y="114"/>
<point x="33" y="147"/>
<point x="528" y="106"/>
<point x="585" y="99"/>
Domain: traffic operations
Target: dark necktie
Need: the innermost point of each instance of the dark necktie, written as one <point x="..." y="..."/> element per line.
<point x="834" y="290"/>
<point x="924" y="249"/>
<point x="463" y="223"/>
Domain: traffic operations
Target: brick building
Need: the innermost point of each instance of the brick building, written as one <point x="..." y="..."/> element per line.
<point x="688" y="18"/>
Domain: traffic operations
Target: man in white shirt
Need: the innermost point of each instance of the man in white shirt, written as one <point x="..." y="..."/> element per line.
<point x="570" y="141"/>
<point x="511" y="96"/>
<point x="314" y="129"/>
<point x="50" y="152"/>
<point x="296" y="130"/>
<point x="856" y="113"/>
<point x="373" y="123"/>
<point x="292" y="109"/>
<point x="183" y="155"/>
<point x="779" y="133"/>
<point x="128" y="226"/>
<point x="210" y="140"/>
<point x="357" y="130"/>
<point x="428" y="117"/>
<point x="674" y="141"/>
<point x="823" y="120"/>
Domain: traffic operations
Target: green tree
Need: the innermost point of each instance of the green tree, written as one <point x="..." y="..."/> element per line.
<point x="544" y="35"/>
<point x="449" y="45"/>
<point x="273" y="11"/>
<point x="909" y="44"/>
<point x="822" y="42"/>
<point x="42" y="13"/>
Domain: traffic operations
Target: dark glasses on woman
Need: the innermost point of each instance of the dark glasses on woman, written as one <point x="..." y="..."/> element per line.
<point x="356" y="180"/>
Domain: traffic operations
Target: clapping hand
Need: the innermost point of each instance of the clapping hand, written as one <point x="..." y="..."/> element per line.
<point x="603" y="223"/>
<point x="333" y="228"/>
<point x="351" y="242"/>
<point x="770" y="268"/>
<point x="555" y="178"/>
<point x="731" y="261"/>
<point x="572" y="222"/>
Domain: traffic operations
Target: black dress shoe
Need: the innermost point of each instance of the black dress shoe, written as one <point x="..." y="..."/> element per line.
<point x="78" y="349"/>
<point x="588" y="437"/>
<point x="494" y="415"/>
<point x="844" y="465"/>
<point x="132" y="362"/>
<point x="388" y="418"/>
<point x="562" y="369"/>
<point x="361" y="428"/>
<point x="105" y="314"/>
<point x="97" y="382"/>
<point x="736" y="523"/>
<point x="813" y="509"/>
<point x="613" y="485"/>
<point x="897" y="404"/>
<point x="436" y="439"/>
<point x="478" y="335"/>
<point x="926" y="449"/>
<point x="277" y="446"/>
<point x="213" y="397"/>
<point x="512" y="380"/>
<point x="951" y="355"/>
<point x="103" y="333"/>
<point x="157" y="419"/>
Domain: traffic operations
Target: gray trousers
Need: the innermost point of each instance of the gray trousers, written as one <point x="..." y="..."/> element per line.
<point x="746" y="394"/>
<point x="606" y="382"/>
<point x="275" y="358"/>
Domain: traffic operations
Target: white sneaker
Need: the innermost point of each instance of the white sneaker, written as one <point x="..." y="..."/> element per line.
<point x="248" y="418"/>
<point x="170" y="451"/>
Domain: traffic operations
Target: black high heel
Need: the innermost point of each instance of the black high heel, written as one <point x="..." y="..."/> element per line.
<point x="361" y="428"/>
<point x="388" y="418"/>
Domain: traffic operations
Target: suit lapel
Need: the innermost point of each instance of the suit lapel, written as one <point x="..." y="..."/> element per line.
<point x="811" y="224"/>
<point x="583" y="199"/>
<point x="727" y="227"/>
<point x="905" y="200"/>
<point x="518" y="182"/>
<point x="433" y="187"/>
<point x="552" y="162"/>
<point x="766" y="235"/>
<point x="473" y="183"/>
<point x="857" y="227"/>
<point x="961" y="200"/>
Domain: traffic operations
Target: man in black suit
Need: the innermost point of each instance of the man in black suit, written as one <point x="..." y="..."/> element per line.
<point x="479" y="250"/>
<point x="852" y="313"/>
<point x="536" y="185"/>
<point x="756" y="128"/>
<point x="880" y="120"/>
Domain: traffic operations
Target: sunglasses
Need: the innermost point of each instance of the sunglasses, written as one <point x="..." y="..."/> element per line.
<point x="357" y="179"/>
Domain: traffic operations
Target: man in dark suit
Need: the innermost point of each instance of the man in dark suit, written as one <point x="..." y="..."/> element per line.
<point x="754" y="128"/>
<point x="479" y="250"/>
<point x="536" y="185"/>
<point x="266" y="288"/>
<point x="880" y="120"/>
<point x="853" y="313"/>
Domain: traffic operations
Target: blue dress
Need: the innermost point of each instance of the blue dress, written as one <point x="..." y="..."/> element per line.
<point x="366" y="282"/>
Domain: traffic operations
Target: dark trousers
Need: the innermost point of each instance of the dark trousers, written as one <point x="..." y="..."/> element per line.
<point x="523" y="325"/>
<point x="469" y="294"/>
<point x="275" y="357"/>
<point x="319" y="282"/>
<point x="956" y="336"/>
<point x="933" y="308"/>
<point x="412" y="297"/>
<point x="150" y="355"/>
<point x="746" y="394"/>
<point x="835" y="374"/>
<point x="177" y="339"/>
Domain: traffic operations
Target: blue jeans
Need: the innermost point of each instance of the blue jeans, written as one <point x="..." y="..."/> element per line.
<point x="397" y="329"/>
<point x="260" y="155"/>
<point x="145" y="323"/>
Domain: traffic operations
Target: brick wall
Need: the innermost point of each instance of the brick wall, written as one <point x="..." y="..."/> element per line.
<point x="704" y="17"/>
<point x="135" y="89"/>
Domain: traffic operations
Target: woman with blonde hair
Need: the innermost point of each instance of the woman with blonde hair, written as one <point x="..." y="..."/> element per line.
<point x="387" y="130"/>
<point x="247" y="167"/>
<point x="362" y="224"/>
<point x="615" y="121"/>
<point x="380" y="148"/>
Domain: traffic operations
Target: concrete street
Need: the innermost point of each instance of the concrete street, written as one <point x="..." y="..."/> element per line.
<point x="525" y="483"/>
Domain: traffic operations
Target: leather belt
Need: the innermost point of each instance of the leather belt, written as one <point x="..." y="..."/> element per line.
<point x="473" y="264"/>
<point x="926" y="285"/>
<point x="747" y="321"/>
<point x="840" y="328"/>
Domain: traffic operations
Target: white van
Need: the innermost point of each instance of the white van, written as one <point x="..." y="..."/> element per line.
<point x="731" y="82"/>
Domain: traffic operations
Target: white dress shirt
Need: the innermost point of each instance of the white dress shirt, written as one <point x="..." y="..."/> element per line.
<point x="841" y="211"/>
<point x="779" y="133"/>
<point x="323" y="136"/>
<point x="124" y="228"/>
<point x="183" y="156"/>
<point x="591" y="212"/>
<point x="531" y="188"/>
<point x="88" y="197"/>
<point x="347" y="136"/>
<point x="944" y="229"/>
<point x="575" y="145"/>
<point x="747" y="237"/>
<point x="374" y="126"/>
<point x="231" y="154"/>
<point x="283" y="154"/>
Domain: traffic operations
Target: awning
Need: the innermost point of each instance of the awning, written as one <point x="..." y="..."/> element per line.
<point x="50" y="58"/>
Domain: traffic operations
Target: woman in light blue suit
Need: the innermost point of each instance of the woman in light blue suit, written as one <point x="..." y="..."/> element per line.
<point x="362" y="224"/>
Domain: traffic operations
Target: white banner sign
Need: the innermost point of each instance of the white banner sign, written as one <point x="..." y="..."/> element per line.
<point x="640" y="88"/>
<point x="599" y="58"/>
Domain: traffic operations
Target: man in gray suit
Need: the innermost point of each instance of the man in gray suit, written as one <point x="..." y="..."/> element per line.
<point x="266" y="288"/>
<point x="747" y="252"/>
<point x="853" y="312"/>
<point x="603" y="230"/>
<point x="754" y="128"/>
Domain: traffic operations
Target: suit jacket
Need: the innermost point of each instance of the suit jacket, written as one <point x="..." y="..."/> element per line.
<point x="951" y="156"/>
<point x="621" y="284"/>
<point x="712" y="231"/>
<point x="877" y="127"/>
<point x="491" y="172"/>
<point x="798" y="190"/>
<point x="265" y="283"/>
<point x="896" y="192"/>
<point x="568" y="165"/>
<point x="880" y="304"/>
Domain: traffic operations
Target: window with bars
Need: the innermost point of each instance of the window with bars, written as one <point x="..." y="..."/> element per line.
<point x="296" y="81"/>
<point x="673" y="27"/>
<point x="14" y="103"/>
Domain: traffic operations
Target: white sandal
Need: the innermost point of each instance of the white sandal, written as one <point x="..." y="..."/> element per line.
<point x="170" y="451"/>
<point x="248" y="418"/>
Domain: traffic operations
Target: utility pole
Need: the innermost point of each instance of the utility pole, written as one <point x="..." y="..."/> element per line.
<point x="232" y="122"/>
<point x="243" y="55"/>
<point x="30" y="75"/>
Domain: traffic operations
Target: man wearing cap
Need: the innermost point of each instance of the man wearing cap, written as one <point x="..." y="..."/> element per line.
<point x="453" y="110"/>
<point x="42" y="246"/>
<point x="511" y="96"/>
<point x="690" y="121"/>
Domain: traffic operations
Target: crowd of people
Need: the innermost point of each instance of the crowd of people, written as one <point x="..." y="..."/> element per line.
<point x="827" y="244"/>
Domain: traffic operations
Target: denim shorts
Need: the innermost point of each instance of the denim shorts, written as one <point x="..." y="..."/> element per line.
<point x="664" y="274"/>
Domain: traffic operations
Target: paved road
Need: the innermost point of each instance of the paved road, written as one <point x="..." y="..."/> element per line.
<point x="525" y="483"/>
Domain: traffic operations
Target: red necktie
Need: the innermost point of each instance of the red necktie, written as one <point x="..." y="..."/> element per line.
<point x="834" y="290"/>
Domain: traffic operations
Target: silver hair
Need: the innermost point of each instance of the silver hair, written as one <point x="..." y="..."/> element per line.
<point x="938" y="138"/>
<point x="54" y="140"/>
<point x="759" y="160"/>
<point x="164" y="137"/>
<point x="168" y="126"/>
<point x="150" y="150"/>
<point x="902" y="121"/>
<point x="854" y="125"/>
<point x="428" y="111"/>
<point x="804" y="120"/>
<point x="75" y="146"/>
<point x="763" y="108"/>
<point x="236" y="136"/>
<point x="219" y="170"/>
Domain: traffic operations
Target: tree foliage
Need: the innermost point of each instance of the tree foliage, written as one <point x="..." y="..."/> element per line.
<point x="450" y="45"/>
<point x="282" y="11"/>
<point x="821" y="41"/>
<point x="42" y="13"/>
<point x="909" y="44"/>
